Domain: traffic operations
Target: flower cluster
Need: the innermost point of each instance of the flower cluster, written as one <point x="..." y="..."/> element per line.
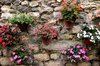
<point x="71" y="11"/>
<point x="89" y="34"/>
<point x="46" y="31"/>
<point x="76" y="54"/>
<point x="21" y="55"/>
<point x="7" y="36"/>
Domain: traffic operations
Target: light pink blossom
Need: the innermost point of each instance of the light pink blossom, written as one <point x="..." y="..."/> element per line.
<point x="19" y="61"/>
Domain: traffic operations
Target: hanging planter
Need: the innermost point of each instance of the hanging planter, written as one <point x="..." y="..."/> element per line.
<point x="23" y="27"/>
<point x="46" y="41"/>
<point x="22" y="20"/>
<point x="68" y="24"/>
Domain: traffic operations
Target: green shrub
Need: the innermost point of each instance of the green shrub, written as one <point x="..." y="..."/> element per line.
<point x="21" y="19"/>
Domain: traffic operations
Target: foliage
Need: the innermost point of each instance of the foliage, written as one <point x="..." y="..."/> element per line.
<point x="21" y="55"/>
<point x="71" y="11"/>
<point x="76" y="54"/>
<point x="46" y="31"/>
<point x="21" y="19"/>
<point x="8" y="36"/>
<point x="90" y="34"/>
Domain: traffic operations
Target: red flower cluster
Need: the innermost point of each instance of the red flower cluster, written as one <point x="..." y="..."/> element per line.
<point x="7" y="36"/>
<point x="46" y="31"/>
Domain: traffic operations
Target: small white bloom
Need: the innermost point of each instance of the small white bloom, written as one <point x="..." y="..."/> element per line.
<point x="92" y="37"/>
<point x="78" y="35"/>
<point x="92" y="27"/>
<point x="98" y="37"/>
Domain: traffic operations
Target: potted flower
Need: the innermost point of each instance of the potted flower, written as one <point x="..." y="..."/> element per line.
<point x="22" y="20"/>
<point x="90" y="35"/>
<point x="21" y="56"/>
<point x="76" y="54"/>
<point x="70" y="13"/>
<point x="8" y="36"/>
<point x="46" y="33"/>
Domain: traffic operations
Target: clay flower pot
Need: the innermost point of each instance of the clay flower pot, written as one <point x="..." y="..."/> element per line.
<point x="68" y="25"/>
<point x="46" y="41"/>
<point x="23" y="27"/>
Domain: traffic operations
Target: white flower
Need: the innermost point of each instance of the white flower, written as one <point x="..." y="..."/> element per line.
<point x="92" y="41"/>
<point x="98" y="37"/>
<point x="84" y="32"/>
<point x="92" y="27"/>
<point x="78" y="35"/>
<point x="92" y="37"/>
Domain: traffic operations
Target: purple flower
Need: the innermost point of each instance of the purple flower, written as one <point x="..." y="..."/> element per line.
<point x="19" y="61"/>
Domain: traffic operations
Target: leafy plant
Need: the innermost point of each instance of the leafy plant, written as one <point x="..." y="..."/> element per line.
<point x="71" y="11"/>
<point x="21" y="55"/>
<point x="8" y="36"/>
<point x="76" y="54"/>
<point x="46" y="31"/>
<point x="21" y="19"/>
<point x="90" y="35"/>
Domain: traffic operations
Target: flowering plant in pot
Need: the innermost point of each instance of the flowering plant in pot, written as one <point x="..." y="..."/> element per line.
<point x="8" y="36"/>
<point x="22" y="20"/>
<point x="46" y="33"/>
<point x="21" y="56"/>
<point x="70" y="12"/>
<point x="76" y="54"/>
<point x="90" y="35"/>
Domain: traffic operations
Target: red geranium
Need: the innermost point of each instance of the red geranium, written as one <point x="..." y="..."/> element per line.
<point x="1" y="31"/>
<point x="3" y="44"/>
<point x="7" y="36"/>
<point x="1" y="39"/>
<point x="9" y="42"/>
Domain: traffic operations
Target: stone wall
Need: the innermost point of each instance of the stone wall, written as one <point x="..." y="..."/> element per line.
<point x="48" y="11"/>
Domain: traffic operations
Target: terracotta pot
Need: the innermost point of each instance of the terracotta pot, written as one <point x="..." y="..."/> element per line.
<point x="23" y="27"/>
<point x="68" y="25"/>
<point x="46" y="41"/>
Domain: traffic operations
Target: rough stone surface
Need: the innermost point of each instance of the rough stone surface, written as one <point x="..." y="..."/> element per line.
<point x="54" y="63"/>
<point x="5" y="61"/>
<point x="59" y="8"/>
<point x="61" y="45"/>
<point x="41" y="57"/>
<point x="76" y="29"/>
<point x="24" y="3"/>
<point x="55" y="56"/>
<point x="33" y="4"/>
<point x="84" y="64"/>
<point x="5" y="8"/>
<point x="6" y="15"/>
<point x="35" y="14"/>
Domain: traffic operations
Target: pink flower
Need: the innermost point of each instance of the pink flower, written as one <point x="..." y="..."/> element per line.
<point x="11" y="59"/>
<point x="19" y="61"/>
<point x="82" y="51"/>
<point x="15" y="57"/>
<point x="86" y="57"/>
<point x="76" y="56"/>
<point x="78" y="46"/>
<point x="64" y="52"/>
<point x="71" y="52"/>
<point x="13" y="53"/>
